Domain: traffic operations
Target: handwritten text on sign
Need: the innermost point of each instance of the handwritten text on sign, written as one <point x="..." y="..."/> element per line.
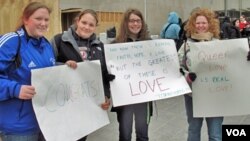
<point x="222" y="68"/>
<point x="68" y="100"/>
<point x="145" y="71"/>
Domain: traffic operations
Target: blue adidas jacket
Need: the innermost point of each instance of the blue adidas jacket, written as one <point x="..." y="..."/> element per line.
<point x="17" y="116"/>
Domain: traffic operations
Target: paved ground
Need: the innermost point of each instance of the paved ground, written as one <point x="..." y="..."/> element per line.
<point x="168" y="123"/>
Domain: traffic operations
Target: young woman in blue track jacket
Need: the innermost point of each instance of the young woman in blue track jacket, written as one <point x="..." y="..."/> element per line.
<point x="17" y="118"/>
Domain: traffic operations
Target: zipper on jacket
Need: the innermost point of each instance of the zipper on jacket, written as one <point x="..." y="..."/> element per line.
<point x="20" y="110"/>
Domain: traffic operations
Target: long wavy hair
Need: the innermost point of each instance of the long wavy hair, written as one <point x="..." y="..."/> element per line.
<point x="213" y="22"/>
<point x="124" y="30"/>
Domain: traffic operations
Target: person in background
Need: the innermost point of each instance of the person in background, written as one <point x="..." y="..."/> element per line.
<point x="236" y="27"/>
<point x="180" y="22"/>
<point x="236" y="23"/>
<point x="171" y="29"/>
<point x="132" y="29"/>
<point x="243" y="22"/>
<point x="21" y="52"/>
<point x="243" y="25"/>
<point x="201" y="26"/>
<point x="80" y="44"/>
<point x="228" y="30"/>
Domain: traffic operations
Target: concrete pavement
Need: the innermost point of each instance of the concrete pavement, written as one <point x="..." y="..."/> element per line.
<point x="167" y="124"/>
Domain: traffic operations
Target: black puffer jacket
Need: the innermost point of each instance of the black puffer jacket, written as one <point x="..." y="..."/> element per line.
<point x="229" y="31"/>
<point x="66" y="47"/>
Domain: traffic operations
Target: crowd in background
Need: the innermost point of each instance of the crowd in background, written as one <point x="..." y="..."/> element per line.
<point x="230" y="28"/>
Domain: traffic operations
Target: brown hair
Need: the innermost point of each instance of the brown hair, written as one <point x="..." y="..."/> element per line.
<point x="29" y="10"/>
<point x="87" y="11"/>
<point x="124" y="31"/>
<point x="213" y="22"/>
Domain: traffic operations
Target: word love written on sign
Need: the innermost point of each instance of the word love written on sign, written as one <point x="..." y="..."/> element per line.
<point x="144" y="70"/>
<point x="149" y="81"/>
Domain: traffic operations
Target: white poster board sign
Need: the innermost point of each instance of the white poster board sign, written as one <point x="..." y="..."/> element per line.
<point x="145" y="71"/>
<point x="67" y="101"/>
<point x="222" y="85"/>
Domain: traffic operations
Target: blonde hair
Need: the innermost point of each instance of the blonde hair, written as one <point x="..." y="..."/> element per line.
<point x="213" y="22"/>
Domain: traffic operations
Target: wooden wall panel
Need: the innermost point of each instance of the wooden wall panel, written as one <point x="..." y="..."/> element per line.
<point x="11" y="10"/>
<point x="108" y="20"/>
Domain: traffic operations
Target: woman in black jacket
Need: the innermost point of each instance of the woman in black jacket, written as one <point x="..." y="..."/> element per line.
<point x="80" y="44"/>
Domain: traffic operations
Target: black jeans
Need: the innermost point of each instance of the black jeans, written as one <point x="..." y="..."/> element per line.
<point x="125" y="118"/>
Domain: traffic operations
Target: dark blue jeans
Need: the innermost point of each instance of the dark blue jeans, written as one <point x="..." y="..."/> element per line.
<point x="214" y="124"/>
<point x="34" y="137"/>
<point x="125" y="116"/>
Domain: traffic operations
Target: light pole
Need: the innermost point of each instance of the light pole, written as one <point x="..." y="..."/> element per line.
<point x="240" y="6"/>
<point x="145" y="9"/>
<point x="225" y="6"/>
